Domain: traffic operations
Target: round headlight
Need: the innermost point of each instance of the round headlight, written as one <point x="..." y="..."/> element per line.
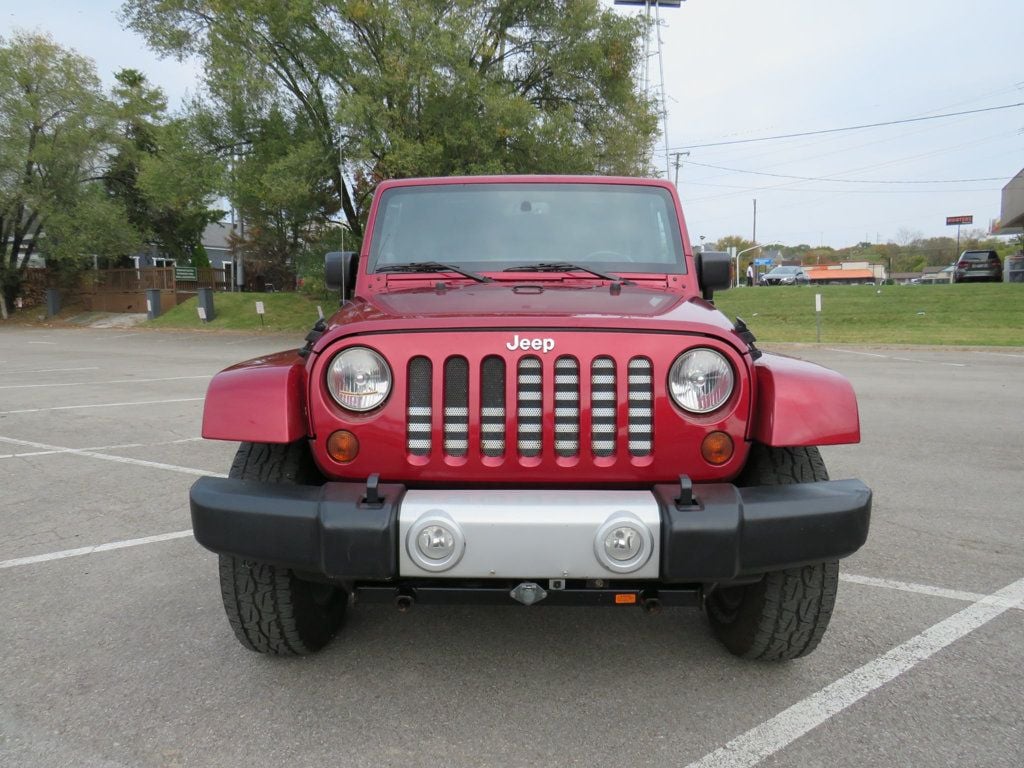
<point x="700" y="381"/>
<point x="358" y="379"/>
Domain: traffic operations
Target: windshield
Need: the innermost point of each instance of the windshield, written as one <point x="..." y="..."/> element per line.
<point x="785" y="270"/>
<point x="490" y="227"/>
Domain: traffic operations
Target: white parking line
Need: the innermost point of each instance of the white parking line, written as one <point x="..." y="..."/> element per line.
<point x="102" y="405"/>
<point x="893" y="357"/>
<point x="780" y="731"/>
<point x="112" y="381"/>
<point x="108" y="457"/>
<point x="56" y="370"/>
<point x="29" y="454"/>
<point x="92" y="550"/>
<point x="57" y="452"/>
<point x="855" y="352"/>
<point x="40" y="342"/>
<point x="919" y="589"/>
<point x="998" y="354"/>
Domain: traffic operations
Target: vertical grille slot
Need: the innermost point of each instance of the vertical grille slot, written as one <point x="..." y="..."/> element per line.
<point x="456" y="406"/>
<point x="602" y="406"/>
<point x="529" y="403"/>
<point x="567" y="406"/>
<point x="492" y="407"/>
<point x="418" y="416"/>
<point x="641" y="415"/>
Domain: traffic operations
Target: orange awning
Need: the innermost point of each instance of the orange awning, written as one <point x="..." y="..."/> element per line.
<point x="839" y="274"/>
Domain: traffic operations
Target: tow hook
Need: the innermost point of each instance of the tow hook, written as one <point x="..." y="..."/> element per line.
<point x="404" y="602"/>
<point x="528" y="593"/>
<point x="651" y="605"/>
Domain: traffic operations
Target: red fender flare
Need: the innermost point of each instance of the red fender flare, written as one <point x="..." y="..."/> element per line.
<point x="800" y="403"/>
<point x="260" y="401"/>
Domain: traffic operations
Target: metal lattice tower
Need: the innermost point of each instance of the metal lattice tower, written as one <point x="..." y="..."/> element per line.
<point x="655" y="29"/>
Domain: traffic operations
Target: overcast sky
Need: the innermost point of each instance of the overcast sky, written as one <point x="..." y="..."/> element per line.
<point x="746" y="69"/>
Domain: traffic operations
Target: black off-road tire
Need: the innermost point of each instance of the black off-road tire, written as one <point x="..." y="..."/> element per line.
<point x="270" y="609"/>
<point x="784" y="615"/>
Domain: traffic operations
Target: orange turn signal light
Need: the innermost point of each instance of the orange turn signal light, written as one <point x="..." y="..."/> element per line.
<point x="343" y="446"/>
<point x="717" y="448"/>
<point x="626" y="598"/>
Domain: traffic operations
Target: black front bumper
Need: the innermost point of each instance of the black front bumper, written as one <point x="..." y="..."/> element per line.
<point x="725" y="533"/>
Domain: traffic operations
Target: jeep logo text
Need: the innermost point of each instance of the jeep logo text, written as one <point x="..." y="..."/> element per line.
<point x="544" y="345"/>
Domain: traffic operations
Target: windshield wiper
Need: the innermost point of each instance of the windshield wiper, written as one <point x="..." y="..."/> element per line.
<point x="565" y="266"/>
<point x="433" y="266"/>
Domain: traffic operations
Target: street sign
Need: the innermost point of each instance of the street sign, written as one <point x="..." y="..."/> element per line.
<point x="259" y="308"/>
<point x="186" y="273"/>
<point x="762" y="262"/>
<point x="951" y="220"/>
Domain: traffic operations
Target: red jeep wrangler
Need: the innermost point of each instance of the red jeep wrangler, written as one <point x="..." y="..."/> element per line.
<point x="527" y="396"/>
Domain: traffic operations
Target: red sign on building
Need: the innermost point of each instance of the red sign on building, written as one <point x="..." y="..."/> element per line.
<point x="959" y="220"/>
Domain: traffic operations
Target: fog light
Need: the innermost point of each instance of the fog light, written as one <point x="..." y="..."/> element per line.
<point x="623" y="544"/>
<point x="716" y="448"/>
<point x="343" y="446"/>
<point x="435" y="542"/>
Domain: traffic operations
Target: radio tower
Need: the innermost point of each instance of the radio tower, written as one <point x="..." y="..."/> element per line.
<point x="655" y="29"/>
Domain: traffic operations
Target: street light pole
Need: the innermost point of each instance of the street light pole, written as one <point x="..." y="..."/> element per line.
<point x="747" y="250"/>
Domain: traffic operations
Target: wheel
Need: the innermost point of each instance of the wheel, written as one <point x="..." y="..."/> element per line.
<point x="271" y="609"/>
<point x="785" y="614"/>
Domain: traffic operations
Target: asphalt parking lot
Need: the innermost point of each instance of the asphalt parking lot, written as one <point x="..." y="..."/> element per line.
<point x="114" y="649"/>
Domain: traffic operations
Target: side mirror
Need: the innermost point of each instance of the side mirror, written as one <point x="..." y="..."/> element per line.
<point x="340" y="271"/>
<point x="713" y="269"/>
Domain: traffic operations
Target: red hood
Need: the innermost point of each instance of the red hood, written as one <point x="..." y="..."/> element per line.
<point x="525" y="305"/>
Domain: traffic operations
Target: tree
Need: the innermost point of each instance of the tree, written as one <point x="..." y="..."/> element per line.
<point x="160" y="171"/>
<point x="281" y="188"/>
<point x="407" y="88"/>
<point x="55" y="129"/>
<point x="733" y="241"/>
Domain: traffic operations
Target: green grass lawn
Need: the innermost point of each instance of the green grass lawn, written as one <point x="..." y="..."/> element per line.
<point x="237" y="311"/>
<point x="982" y="314"/>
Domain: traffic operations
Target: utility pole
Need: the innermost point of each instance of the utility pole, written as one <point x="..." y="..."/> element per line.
<point x="678" y="155"/>
<point x="754" y="235"/>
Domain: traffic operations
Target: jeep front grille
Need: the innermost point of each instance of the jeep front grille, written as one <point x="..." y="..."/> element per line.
<point x="603" y="405"/>
<point x="418" y="434"/>
<point x="456" y="406"/>
<point x="567" y="407"/>
<point x="492" y="407"/>
<point x="529" y="406"/>
<point x="534" y="384"/>
<point x="641" y="394"/>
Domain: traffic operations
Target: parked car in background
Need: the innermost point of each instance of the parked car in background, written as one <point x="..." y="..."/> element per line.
<point x="786" y="276"/>
<point x="982" y="266"/>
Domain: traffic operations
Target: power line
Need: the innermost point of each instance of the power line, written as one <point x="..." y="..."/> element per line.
<point x="845" y="181"/>
<point x="819" y="191"/>
<point x="846" y="128"/>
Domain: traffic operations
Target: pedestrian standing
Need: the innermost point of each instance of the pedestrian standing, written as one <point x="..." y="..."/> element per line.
<point x="750" y="275"/>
